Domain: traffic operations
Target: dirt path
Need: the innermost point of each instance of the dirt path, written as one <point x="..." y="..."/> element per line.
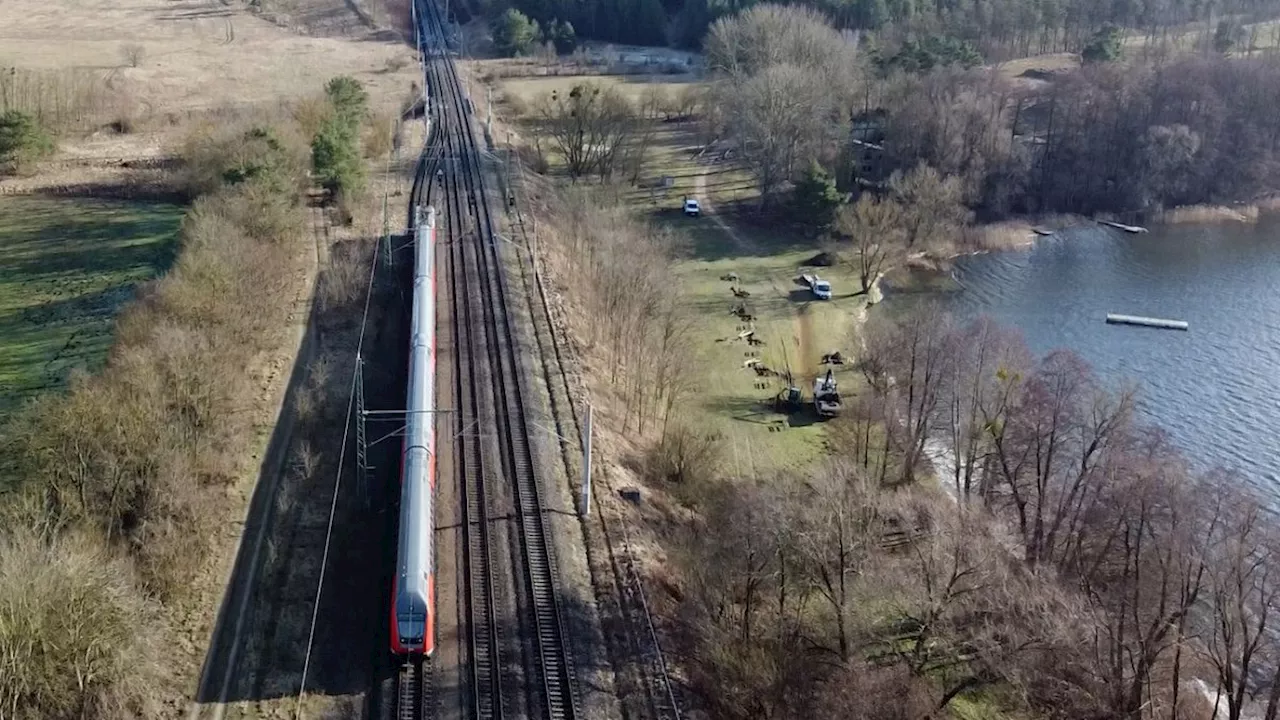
<point x="708" y="209"/>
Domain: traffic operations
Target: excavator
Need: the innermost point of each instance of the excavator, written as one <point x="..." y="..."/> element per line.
<point x="826" y="398"/>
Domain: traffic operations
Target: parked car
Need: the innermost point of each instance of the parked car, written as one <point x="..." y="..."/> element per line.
<point x="822" y="290"/>
<point x="691" y="207"/>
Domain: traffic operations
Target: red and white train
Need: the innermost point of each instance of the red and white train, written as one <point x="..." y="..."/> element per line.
<point x="414" y="593"/>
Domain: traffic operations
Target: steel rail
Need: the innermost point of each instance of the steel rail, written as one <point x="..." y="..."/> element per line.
<point x="555" y="666"/>
<point x="469" y="343"/>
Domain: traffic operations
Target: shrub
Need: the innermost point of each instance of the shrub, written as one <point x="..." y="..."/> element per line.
<point x="311" y="113"/>
<point x="514" y="33"/>
<point x="685" y="455"/>
<point x="76" y="639"/>
<point x="379" y="138"/>
<point x="22" y="141"/>
<point x="349" y="99"/>
<point x="344" y="280"/>
<point x="335" y="158"/>
<point x="265" y="155"/>
<point x="261" y="210"/>
<point x="517" y="106"/>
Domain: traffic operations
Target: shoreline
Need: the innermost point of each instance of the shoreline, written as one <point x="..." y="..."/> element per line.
<point x="931" y="268"/>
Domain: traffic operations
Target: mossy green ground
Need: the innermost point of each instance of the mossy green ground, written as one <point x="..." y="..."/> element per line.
<point x="66" y="267"/>
<point x="796" y="329"/>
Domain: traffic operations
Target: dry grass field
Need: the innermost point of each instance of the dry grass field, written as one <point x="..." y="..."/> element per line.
<point x="131" y="84"/>
<point x="162" y="64"/>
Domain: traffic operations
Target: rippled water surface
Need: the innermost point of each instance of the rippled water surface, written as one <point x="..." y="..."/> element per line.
<point x="1216" y="388"/>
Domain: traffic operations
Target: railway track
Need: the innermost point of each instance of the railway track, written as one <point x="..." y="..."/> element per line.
<point x="484" y="651"/>
<point x="490" y="406"/>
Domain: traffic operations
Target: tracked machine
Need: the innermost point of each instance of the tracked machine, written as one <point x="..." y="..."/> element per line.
<point x="826" y="397"/>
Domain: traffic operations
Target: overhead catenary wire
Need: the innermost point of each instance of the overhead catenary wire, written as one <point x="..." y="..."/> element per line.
<point x="337" y="480"/>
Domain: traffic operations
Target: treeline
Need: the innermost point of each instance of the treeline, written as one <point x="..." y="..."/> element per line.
<point x="999" y="29"/>
<point x="1075" y="567"/>
<point x="112" y="494"/>
<point x="640" y="22"/>
<point x="1110" y="136"/>
<point x="1107" y="137"/>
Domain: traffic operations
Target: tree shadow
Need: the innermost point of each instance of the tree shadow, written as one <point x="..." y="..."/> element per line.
<point x="260" y="641"/>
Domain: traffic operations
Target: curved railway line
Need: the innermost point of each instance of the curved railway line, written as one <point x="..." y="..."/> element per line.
<point x="489" y="404"/>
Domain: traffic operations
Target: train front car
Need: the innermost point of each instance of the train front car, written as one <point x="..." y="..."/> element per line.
<point x="413" y="606"/>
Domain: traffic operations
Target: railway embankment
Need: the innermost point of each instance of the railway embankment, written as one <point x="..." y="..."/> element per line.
<point x="143" y="463"/>
<point x="302" y="624"/>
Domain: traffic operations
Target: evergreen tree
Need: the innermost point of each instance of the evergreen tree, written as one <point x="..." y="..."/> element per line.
<point x="22" y="140"/>
<point x="335" y="157"/>
<point x="562" y="35"/>
<point x="349" y="99"/>
<point x="816" y="197"/>
<point x="1106" y="45"/>
<point x="514" y="33"/>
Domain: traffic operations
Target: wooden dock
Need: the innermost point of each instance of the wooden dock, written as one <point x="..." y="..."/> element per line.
<point x="1113" y="319"/>
<point x="1121" y="226"/>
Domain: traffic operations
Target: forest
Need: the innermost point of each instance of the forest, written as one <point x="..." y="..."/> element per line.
<point x="991" y="534"/>
<point x="999" y="29"/>
<point x="1111" y="136"/>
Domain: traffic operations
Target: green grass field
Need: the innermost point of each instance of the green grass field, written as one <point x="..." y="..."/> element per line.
<point x="66" y="267"/>
<point x="532" y="89"/>
<point x="796" y="330"/>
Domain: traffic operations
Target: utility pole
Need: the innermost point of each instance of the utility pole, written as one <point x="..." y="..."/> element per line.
<point x="488" y="111"/>
<point x="362" y="441"/>
<point x="586" y="465"/>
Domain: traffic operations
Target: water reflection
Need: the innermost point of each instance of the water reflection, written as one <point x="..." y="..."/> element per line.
<point x="1215" y="388"/>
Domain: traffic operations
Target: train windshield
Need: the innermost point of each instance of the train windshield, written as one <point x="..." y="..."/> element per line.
<point x="411" y="629"/>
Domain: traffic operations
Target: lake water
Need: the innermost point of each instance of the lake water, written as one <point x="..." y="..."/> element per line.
<point x="1216" y="388"/>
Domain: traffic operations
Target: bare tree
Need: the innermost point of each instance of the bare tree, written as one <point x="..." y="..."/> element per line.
<point x="968" y="617"/>
<point x="1243" y="595"/>
<point x="933" y="205"/>
<point x="875" y="228"/>
<point x="589" y="125"/>
<point x="840" y="531"/>
<point x="1049" y="450"/>
<point x="1145" y="571"/>
<point x="779" y="118"/>
<point x="748" y="43"/>
<point x="749" y="648"/>
<point x="786" y="79"/>
<point x="907" y="361"/>
<point x="988" y="367"/>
